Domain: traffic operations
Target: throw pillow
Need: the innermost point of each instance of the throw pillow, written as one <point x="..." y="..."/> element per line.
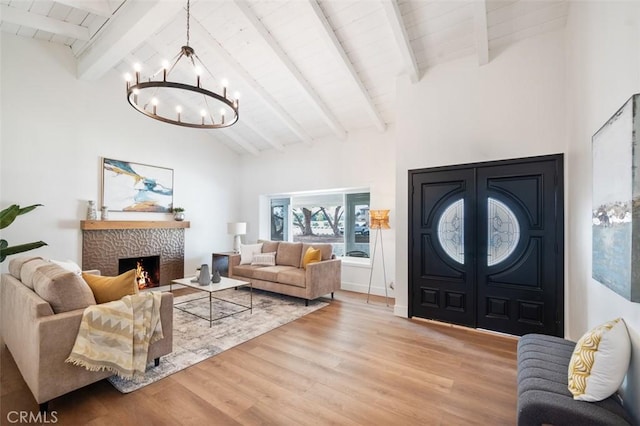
<point x="264" y="259"/>
<point x="600" y="361"/>
<point x="27" y="273"/>
<point x="64" y="290"/>
<point x="247" y="251"/>
<point x="69" y="265"/>
<point x="108" y="289"/>
<point x="16" y="264"/>
<point x="311" y="256"/>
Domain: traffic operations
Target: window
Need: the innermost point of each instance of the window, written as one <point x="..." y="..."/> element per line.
<point x="341" y="219"/>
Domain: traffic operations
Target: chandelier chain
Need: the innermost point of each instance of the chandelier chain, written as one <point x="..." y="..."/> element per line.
<point x="188" y="16"/>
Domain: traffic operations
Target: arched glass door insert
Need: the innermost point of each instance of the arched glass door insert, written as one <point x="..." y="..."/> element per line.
<point x="451" y="231"/>
<point x="504" y="232"/>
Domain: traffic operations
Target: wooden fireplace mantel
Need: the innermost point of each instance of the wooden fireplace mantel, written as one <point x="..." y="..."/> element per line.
<point x="96" y="225"/>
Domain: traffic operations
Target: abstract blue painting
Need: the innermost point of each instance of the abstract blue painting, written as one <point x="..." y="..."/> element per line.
<point x="616" y="202"/>
<point x="134" y="187"/>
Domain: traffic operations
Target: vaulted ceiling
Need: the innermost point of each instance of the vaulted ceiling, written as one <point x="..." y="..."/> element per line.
<point x="306" y="69"/>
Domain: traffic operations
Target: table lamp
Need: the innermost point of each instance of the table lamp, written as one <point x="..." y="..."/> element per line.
<point x="237" y="229"/>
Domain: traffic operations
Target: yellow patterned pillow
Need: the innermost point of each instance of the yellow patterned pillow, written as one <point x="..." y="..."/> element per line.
<point x="600" y="361"/>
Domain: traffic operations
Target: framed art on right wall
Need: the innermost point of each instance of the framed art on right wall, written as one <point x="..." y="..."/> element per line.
<point x="616" y="202"/>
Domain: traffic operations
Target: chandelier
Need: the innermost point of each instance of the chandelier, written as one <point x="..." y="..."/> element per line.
<point x="181" y="103"/>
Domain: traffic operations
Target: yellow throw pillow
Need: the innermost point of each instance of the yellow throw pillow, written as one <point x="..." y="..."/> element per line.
<point x="600" y="362"/>
<point x="311" y="256"/>
<point x="108" y="289"/>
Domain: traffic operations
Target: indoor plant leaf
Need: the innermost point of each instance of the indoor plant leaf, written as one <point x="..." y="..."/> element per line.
<point x="7" y="251"/>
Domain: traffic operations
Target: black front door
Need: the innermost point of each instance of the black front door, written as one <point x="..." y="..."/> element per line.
<point x="486" y="245"/>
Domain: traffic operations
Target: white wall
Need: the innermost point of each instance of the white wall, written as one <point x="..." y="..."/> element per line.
<point x="461" y="113"/>
<point x="364" y="159"/>
<point x="55" y="129"/>
<point x="603" y="48"/>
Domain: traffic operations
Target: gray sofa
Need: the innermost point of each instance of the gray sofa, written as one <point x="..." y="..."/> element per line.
<point x="288" y="276"/>
<point x="543" y="396"/>
<point x="40" y="340"/>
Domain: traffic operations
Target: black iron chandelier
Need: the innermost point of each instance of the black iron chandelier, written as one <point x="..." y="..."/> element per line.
<point x="162" y="99"/>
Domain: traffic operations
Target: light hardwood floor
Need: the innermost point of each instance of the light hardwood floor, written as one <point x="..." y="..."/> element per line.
<point x="351" y="363"/>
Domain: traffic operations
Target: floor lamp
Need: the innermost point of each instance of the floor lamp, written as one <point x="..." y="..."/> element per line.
<point x="379" y="220"/>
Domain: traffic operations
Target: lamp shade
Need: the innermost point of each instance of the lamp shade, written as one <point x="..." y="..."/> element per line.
<point x="379" y="219"/>
<point x="237" y="228"/>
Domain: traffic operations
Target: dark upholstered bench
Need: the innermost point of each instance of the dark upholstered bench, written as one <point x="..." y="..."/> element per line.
<point x="543" y="396"/>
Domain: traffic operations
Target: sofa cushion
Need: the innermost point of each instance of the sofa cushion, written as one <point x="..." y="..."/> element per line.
<point x="264" y="259"/>
<point x="270" y="246"/>
<point x="311" y="256"/>
<point x="325" y="248"/>
<point x="292" y="276"/>
<point x="245" y="271"/>
<point x="267" y="273"/>
<point x="108" y="289"/>
<point x="247" y="251"/>
<point x="600" y="362"/>
<point x="16" y="264"/>
<point x="64" y="290"/>
<point x="29" y="269"/>
<point x="289" y="254"/>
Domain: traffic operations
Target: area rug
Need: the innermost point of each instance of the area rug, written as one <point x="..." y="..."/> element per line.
<point x="195" y="341"/>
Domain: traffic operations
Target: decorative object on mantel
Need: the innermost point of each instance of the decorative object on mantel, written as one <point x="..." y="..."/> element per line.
<point x="215" y="276"/>
<point x="178" y="213"/>
<point x="237" y="229"/>
<point x="163" y="100"/>
<point x="135" y="187"/>
<point x="92" y="213"/>
<point x="616" y="202"/>
<point x="379" y="220"/>
<point x="7" y="216"/>
<point x="104" y="213"/>
<point x="204" y="277"/>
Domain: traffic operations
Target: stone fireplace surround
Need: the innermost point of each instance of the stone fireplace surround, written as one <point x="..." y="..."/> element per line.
<point x="105" y="242"/>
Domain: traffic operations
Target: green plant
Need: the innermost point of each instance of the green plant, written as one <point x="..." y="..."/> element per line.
<point x="177" y="210"/>
<point x="7" y="216"/>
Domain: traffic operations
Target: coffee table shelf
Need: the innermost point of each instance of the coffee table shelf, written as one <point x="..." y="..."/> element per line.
<point x="211" y="288"/>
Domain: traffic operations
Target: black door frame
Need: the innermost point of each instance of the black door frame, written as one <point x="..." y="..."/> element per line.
<point x="559" y="219"/>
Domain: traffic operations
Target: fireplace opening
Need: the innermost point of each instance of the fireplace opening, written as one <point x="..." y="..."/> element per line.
<point x="147" y="270"/>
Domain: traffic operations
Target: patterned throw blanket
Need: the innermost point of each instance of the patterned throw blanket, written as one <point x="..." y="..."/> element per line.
<point x="115" y="336"/>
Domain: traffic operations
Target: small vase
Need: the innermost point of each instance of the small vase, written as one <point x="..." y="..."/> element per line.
<point x="92" y="213"/>
<point x="215" y="276"/>
<point x="205" y="277"/>
<point x="179" y="216"/>
<point x="104" y="213"/>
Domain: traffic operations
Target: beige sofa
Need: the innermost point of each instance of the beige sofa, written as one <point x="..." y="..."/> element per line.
<point x="288" y="276"/>
<point x="41" y="340"/>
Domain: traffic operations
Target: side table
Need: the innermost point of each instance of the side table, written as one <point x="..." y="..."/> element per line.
<point x="220" y="261"/>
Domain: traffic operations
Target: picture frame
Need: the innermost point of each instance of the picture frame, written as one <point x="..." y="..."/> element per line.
<point x="128" y="186"/>
<point x="616" y="202"/>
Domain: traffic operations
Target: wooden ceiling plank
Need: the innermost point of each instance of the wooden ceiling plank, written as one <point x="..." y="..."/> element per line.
<point x="97" y="7"/>
<point x="402" y="39"/>
<point x="44" y="23"/>
<point x="331" y="40"/>
<point x="481" y="32"/>
<point x="327" y="116"/>
<point x="260" y="92"/>
<point x="131" y="25"/>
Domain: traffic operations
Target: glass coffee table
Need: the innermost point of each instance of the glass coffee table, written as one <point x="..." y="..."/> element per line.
<point x="211" y="288"/>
